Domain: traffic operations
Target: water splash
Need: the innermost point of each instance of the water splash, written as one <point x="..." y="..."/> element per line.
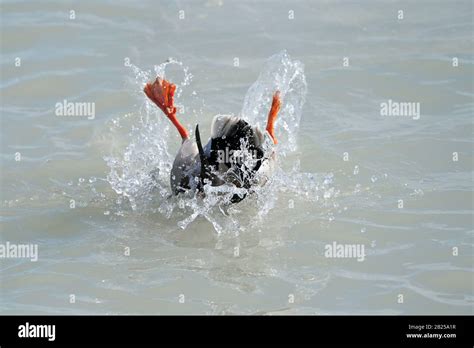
<point x="140" y="175"/>
<point x="286" y="75"/>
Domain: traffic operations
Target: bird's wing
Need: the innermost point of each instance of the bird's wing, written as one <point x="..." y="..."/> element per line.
<point x="186" y="167"/>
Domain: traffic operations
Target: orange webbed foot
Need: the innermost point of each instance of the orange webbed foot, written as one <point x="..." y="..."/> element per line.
<point x="272" y="115"/>
<point x="161" y="92"/>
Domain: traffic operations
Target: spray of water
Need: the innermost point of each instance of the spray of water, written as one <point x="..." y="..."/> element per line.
<point x="140" y="175"/>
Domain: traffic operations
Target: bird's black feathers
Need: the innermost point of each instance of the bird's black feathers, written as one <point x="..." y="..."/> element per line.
<point x="222" y="165"/>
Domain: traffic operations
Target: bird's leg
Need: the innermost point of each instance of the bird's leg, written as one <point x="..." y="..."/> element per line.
<point x="161" y="92"/>
<point x="272" y="115"/>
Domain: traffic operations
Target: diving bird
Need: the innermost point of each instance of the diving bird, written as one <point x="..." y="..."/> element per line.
<point x="235" y="155"/>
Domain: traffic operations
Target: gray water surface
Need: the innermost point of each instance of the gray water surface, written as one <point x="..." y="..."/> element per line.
<point x="343" y="183"/>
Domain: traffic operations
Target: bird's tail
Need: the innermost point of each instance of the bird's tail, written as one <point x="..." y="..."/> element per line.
<point x="202" y="157"/>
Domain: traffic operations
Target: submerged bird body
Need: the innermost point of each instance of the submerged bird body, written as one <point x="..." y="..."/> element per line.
<point x="235" y="154"/>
